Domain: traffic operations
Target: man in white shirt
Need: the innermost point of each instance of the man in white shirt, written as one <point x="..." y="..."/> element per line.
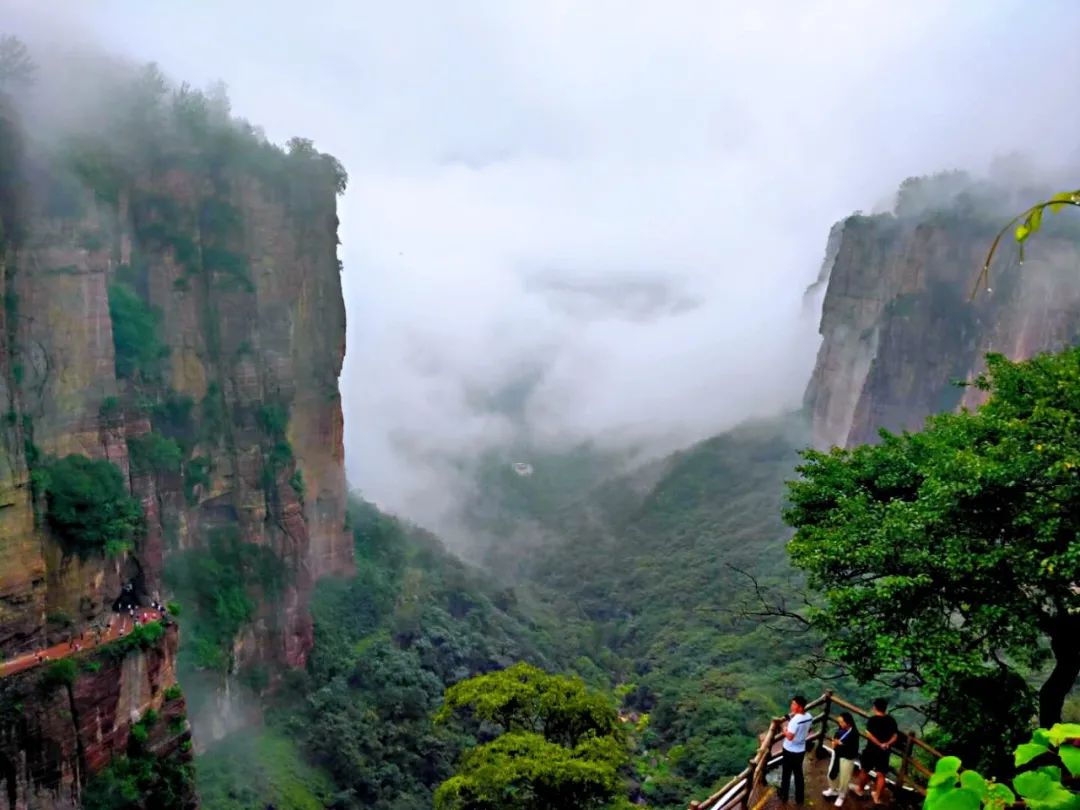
<point x="795" y="731"/>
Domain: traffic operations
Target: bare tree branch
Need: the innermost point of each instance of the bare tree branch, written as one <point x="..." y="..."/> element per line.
<point x="770" y="606"/>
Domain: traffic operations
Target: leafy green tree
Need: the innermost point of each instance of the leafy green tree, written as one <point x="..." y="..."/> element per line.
<point x="138" y="350"/>
<point x="953" y="552"/>
<point x="89" y="505"/>
<point x="561" y="745"/>
<point x="153" y="452"/>
<point x="16" y="66"/>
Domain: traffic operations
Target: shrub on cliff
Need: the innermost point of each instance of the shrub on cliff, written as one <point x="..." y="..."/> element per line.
<point x="154" y="453"/>
<point x="88" y="505"/>
<point x="134" y="323"/>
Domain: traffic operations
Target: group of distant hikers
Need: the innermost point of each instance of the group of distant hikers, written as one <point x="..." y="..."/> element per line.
<point x="127" y="603"/>
<point x="881" y="734"/>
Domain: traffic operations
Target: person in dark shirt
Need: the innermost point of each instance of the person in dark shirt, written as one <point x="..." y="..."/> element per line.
<point x="845" y="746"/>
<point x="881" y="733"/>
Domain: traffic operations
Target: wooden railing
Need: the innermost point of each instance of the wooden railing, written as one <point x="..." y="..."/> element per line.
<point x="909" y="775"/>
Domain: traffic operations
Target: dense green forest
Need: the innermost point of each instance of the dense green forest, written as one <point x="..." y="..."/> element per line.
<point x="355" y="729"/>
<point x="663" y="627"/>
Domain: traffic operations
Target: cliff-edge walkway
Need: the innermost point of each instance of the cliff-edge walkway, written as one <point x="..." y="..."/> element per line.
<point x="120" y="625"/>
<point x="910" y="766"/>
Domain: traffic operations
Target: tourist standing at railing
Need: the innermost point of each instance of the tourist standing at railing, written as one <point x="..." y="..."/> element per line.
<point x="795" y="731"/>
<point x="881" y="732"/>
<point x="845" y="745"/>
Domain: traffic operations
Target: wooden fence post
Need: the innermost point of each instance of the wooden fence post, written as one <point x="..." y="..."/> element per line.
<point x="764" y="751"/>
<point x="825" y="724"/>
<point x="905" y="759"/>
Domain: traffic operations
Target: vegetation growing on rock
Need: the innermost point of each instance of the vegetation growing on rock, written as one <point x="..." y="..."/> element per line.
<point x="89" y="506"/>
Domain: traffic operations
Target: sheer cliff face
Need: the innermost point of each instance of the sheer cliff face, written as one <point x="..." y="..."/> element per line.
<point x="54" y="735"/>
<point x="172" y="303"/>
<point x="899" y="327"/>
<point x="251" y="320"/>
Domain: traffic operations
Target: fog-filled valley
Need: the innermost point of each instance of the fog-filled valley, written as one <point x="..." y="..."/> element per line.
<point x="404" y="403"/>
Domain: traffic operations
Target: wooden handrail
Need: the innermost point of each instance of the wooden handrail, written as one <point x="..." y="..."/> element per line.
<point x="851" y="707"/>
<point x="921" y="768"/>
<point x="928" y="748"/>
<point x="740" y="789"/>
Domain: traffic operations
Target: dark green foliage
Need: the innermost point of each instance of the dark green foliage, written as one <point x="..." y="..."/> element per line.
<point x="153" y="453"/>
<point x="951" y="553"/>
<point x="524" y="698"/>
<point x="644" y="584"/>
<point x="219" y="220"/>
<point x="256" y="677"/>
<point x="60" y="673"/>
<point x="139" y="781"/>
<point x="110" y="408"/>
<point x="88" y="505"/>
<point x="985" y="740"/>
<point x="139" y="352"/>
<point x="11" y="308"/>
<point x="174" y="692"/>
<point x="232" y="268"/>
<point x="92" y="161"/>
<point x="297" y="483"/>
<point x="387" y="643"/>
<point x="144" y="637"/>
<point x="213" y="413"/>
<point x="273" y="418"/>
<point x="561" y="744"/>
<point x="221" y="583"/>
<point x="256" y="769"/>
<point x="58" y="618"/>
<point x="280" y="455"/>
<point x="196" y="473"/>
<point x="173" y="417"/>
<point x="16" y="64"/>
<point x="139" y="734"/>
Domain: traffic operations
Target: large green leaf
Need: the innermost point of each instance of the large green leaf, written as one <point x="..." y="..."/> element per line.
<point x="1053" y="771"/>
<point x="1064" y="731"/>
<point x="1058" y="798"/>
<point x="940" y="780"/>
<point x="955" y="799"/>
<point x="1070" y="756"/>
<point x="1033" y="784"/>
<point x="1028" y="751"/>
<point x="972" y="780"/>
<point x="949" y="765"/>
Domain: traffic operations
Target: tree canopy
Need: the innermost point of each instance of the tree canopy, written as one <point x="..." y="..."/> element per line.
<point x="953" y="552"/>
<point x="89" y="505"/>
<point x="561" y="744"/>
<point x="16" y="65"/>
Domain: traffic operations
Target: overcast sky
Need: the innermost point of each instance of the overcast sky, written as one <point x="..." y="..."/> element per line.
<point x="601" y="213"/>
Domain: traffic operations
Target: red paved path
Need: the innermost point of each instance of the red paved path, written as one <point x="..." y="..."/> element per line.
<point x="88" y="641"/>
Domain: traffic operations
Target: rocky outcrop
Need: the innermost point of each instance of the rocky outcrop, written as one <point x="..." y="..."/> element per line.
<point x="900" y="328"/>
<point x="172" y="303"/>
<point x="56" y="731"/>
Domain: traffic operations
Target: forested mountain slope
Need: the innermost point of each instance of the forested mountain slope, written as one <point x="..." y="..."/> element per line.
<point x="651" y="560"/>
